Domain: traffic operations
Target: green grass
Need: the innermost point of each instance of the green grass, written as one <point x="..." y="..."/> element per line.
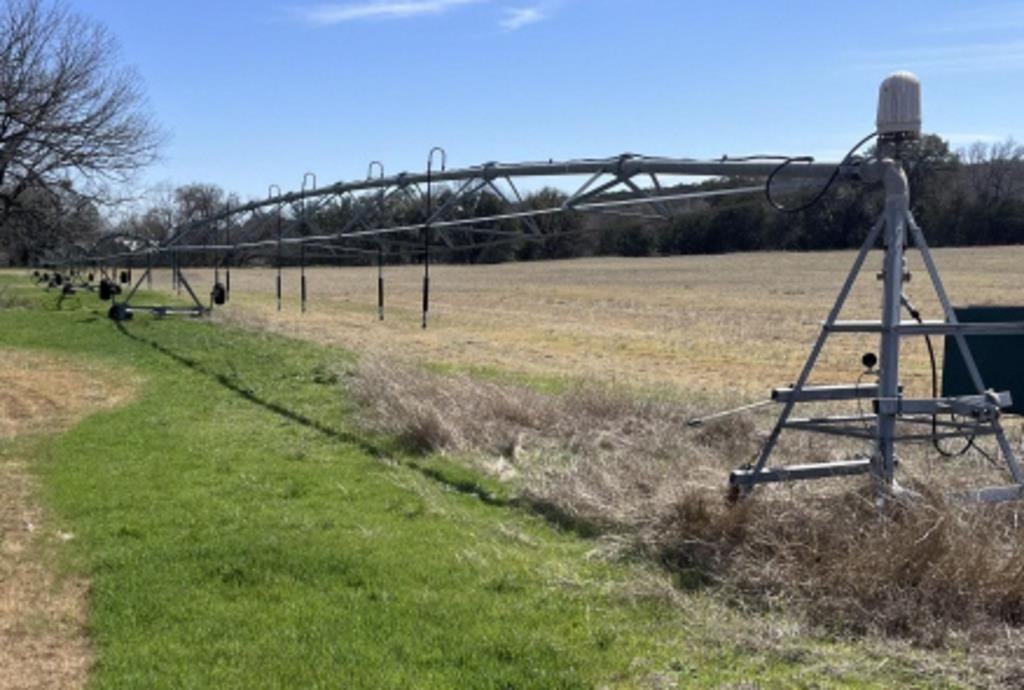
<point x="540" y="383"/>
<point x="239" y="533"/>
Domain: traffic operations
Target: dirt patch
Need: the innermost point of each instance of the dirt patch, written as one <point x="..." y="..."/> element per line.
<point x="42" y="616"/>
<point x="40" y="393"/>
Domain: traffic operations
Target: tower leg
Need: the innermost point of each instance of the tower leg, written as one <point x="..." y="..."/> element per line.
<point x="805" y="374"/>
<point x="897" y="206"/>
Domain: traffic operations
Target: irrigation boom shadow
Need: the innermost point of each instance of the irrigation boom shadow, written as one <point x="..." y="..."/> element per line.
<point x="380" y="452"/>
<point x="248" y="395"/>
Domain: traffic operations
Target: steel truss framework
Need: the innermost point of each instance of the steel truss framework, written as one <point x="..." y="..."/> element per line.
<point x="894" y="417"/>
<point x="618" y="185"/>
<point x="284" y="226"/>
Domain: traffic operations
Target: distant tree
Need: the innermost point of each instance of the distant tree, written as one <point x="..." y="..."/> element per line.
<point x="632" y="239"/>
<point x="335" y="214"/>
<point x="154" y="224"/>
<point x="197" y="201"/>
<point x="46" y="221"/>
<point x="479" y="247"/>
<point x="154" y="218"/>
<point x="993" y="185"/>
<point x="995" y="172"/>
<point x="933" y="171"/>
<point x="561" y="230"/>
<point x="71" y="118"/>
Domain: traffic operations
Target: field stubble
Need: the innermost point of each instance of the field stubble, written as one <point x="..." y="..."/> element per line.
<point x="702" y="331"/>
<point x="721" y="326"/>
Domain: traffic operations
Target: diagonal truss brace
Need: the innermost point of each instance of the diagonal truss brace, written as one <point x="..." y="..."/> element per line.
<point x="898" y="225"/>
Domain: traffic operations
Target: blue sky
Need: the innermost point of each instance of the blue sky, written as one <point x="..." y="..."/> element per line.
<point x="262" y="91"/>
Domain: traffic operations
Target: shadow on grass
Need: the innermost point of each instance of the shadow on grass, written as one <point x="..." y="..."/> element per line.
<point x="248" y="395"/>
<point x="463" y="483"/>
<point x="454" y="481"/>
<point x="560" y="518"/>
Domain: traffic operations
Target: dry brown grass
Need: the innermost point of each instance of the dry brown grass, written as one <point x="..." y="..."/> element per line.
<point x="928" y="570"/>
<point x="925" y="570"/>
<point x="42" y="393"/>
<point x="42" y="616"/>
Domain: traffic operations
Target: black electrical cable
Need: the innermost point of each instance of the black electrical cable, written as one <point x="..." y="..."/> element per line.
<point x="970" y="442"/>
<point x="808" y="159"/>
<point x="935" y="418"/>
<point x="991" y="460"/>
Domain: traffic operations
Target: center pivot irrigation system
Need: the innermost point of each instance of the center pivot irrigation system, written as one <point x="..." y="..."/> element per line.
<point x="630" y="185"/>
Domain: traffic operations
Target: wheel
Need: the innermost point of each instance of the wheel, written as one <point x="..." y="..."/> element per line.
<point x="119" y="312"/>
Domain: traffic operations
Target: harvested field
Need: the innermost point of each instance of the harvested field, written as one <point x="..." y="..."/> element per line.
<point x="728" y="326"/>
<point x="42" y="616"/>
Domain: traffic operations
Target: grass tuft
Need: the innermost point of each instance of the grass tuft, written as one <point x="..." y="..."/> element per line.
<point x="928" y="570"/>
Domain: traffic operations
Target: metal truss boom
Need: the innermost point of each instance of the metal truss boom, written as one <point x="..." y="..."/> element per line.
<point x="617" y="171"/>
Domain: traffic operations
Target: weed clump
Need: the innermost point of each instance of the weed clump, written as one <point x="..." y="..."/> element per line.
<point x="429" y="412"/>
<point x="923" y="570"/>
<point x="608" y="464"/>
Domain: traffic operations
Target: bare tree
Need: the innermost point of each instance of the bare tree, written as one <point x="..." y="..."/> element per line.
<point x="47" y="221"/>
<point x="152" y="225"/>
<point x="70" y="116"/>
<point x="197" y="201"/>
<point x="995" y="172"/>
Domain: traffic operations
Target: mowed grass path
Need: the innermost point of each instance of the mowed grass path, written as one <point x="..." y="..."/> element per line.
<point x="238" y="533"/>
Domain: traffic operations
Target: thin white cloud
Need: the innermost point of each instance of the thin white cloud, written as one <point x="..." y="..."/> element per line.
<point x="326" y="15"/>
<point x="517" y="18"/>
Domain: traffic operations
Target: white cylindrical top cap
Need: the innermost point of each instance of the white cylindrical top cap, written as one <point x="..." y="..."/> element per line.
<point x="899" y="106"/>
